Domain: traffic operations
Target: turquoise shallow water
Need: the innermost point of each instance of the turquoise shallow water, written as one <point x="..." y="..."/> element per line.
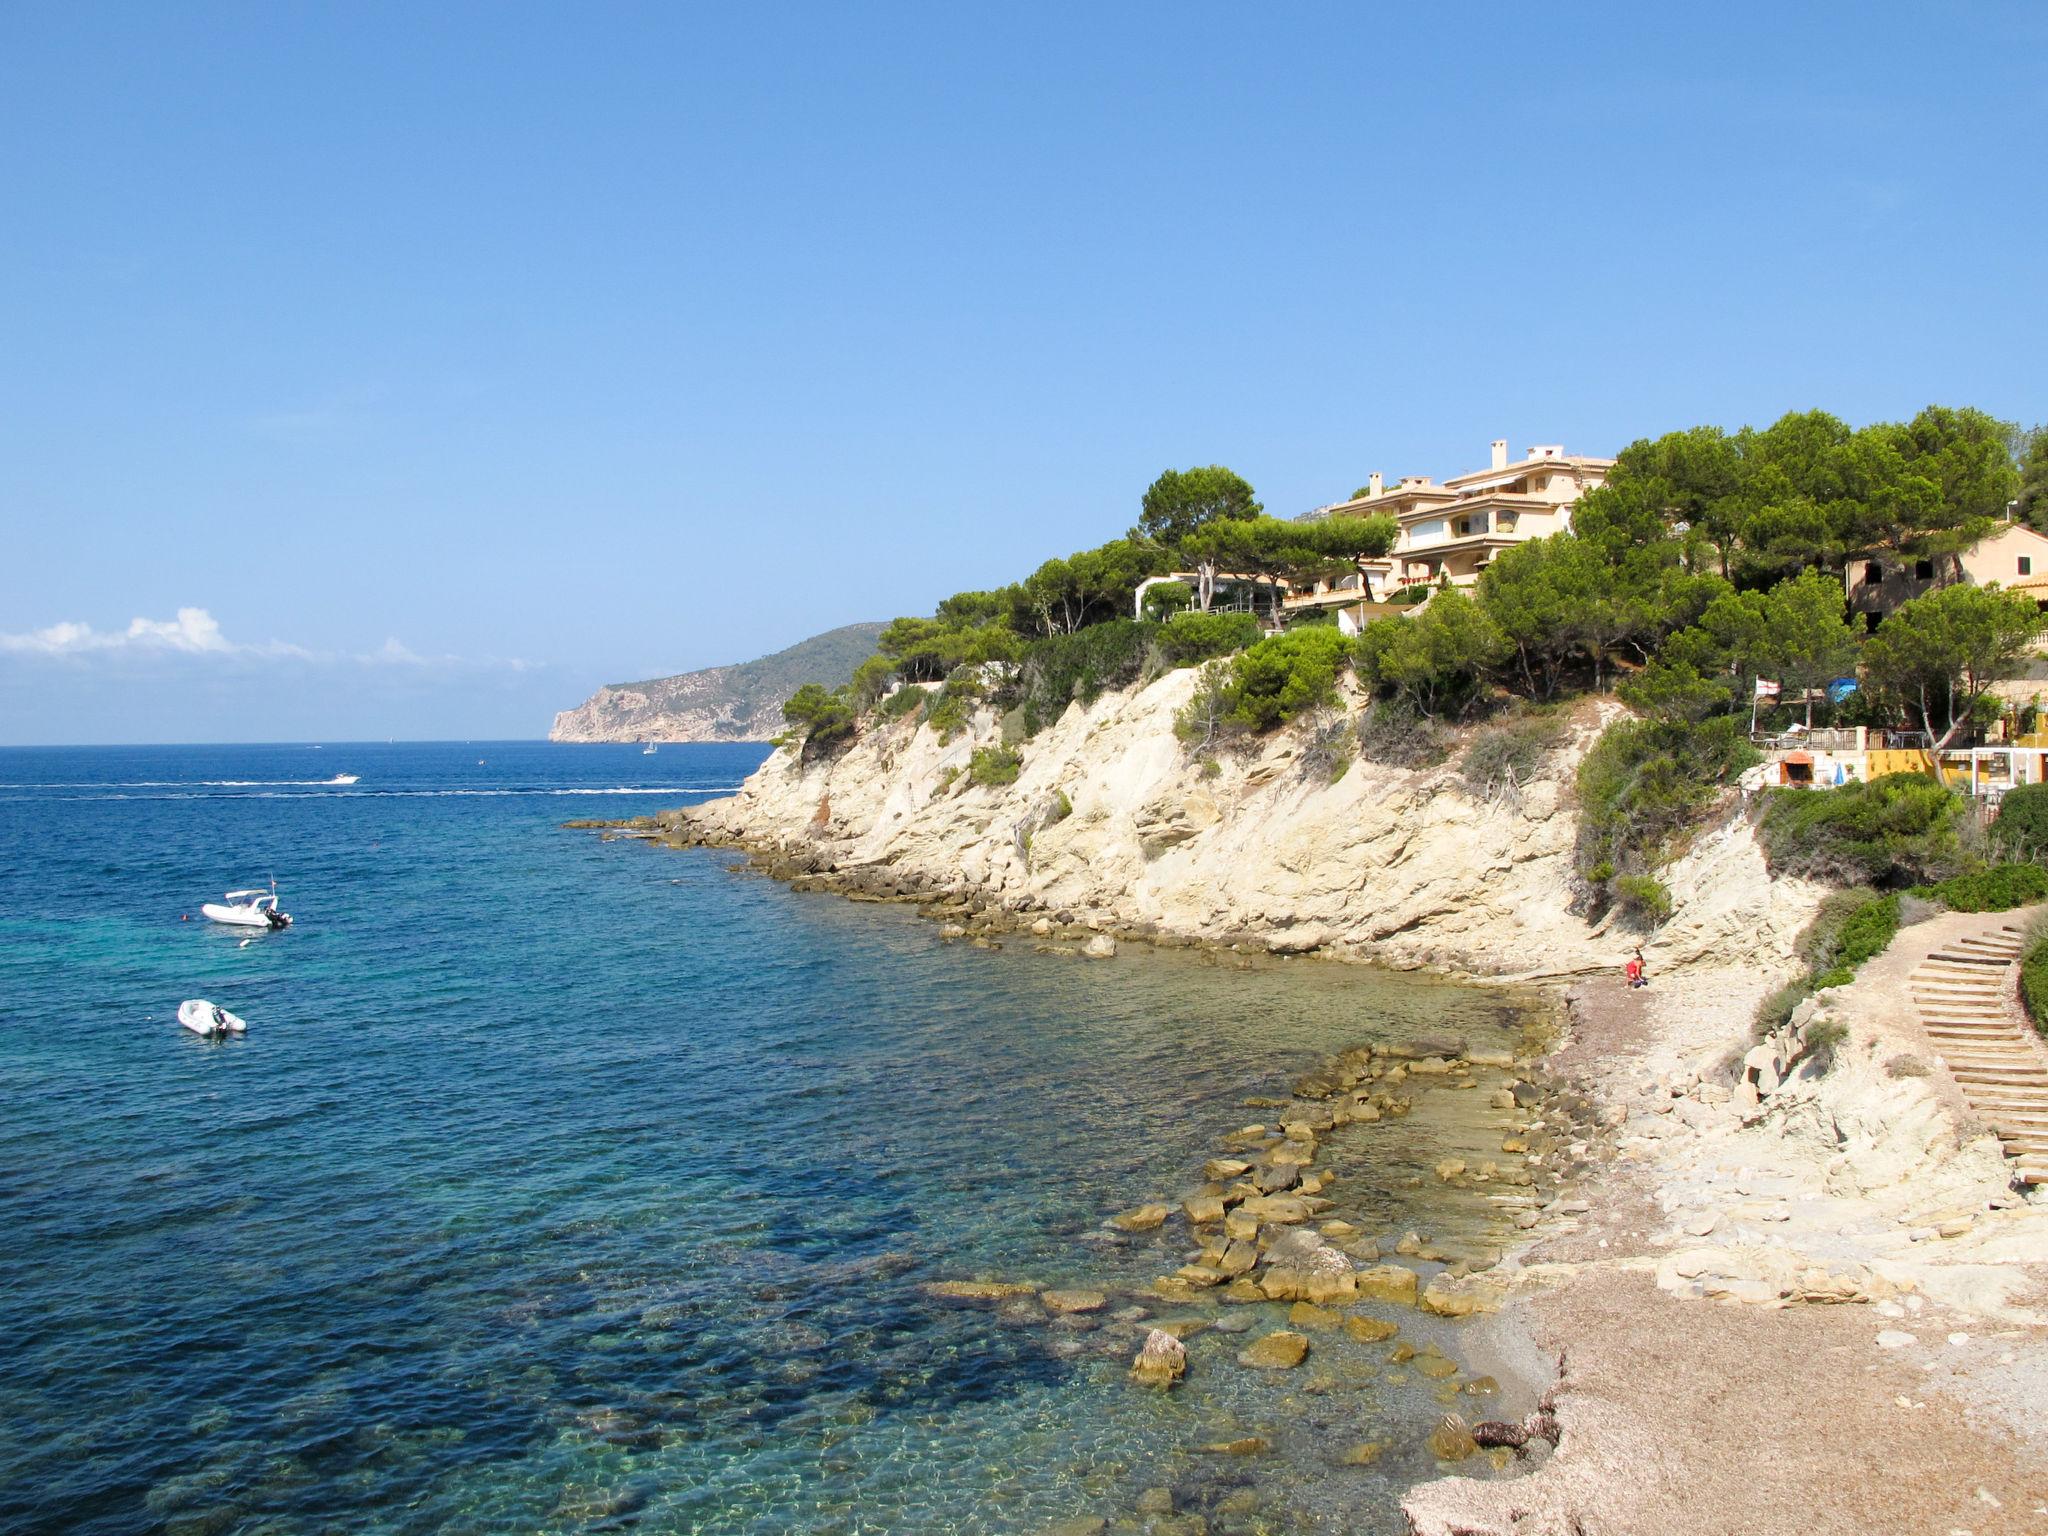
<point x="566" y="1185"/>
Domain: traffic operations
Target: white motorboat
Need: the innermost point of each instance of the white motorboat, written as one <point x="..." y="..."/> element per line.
<point x="208" y="1019"/>
<point x="344" y="778"/>
<point x="248" y="909"/>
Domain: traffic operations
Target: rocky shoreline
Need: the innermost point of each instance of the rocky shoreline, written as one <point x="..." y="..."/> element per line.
<point x="1280" y="1269"/>
<point x="1714" y="1236"/>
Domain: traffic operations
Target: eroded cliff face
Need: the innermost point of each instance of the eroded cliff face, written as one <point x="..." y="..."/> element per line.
<point x="1407" y="867"/>
<point x="625" y="712"/>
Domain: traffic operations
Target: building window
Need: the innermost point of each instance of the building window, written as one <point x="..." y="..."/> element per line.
<point x="2026" y="565"/>
<point x="1923" y="570"/>
<point x="1873" y="573"/>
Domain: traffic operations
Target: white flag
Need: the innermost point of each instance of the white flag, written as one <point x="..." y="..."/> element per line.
<point x="1766" y="689"/>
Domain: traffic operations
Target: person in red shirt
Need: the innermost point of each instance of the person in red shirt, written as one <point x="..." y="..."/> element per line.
<point x="1634" y="971"/>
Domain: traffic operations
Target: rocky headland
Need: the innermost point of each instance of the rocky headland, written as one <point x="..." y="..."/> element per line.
<point x="1787" y="1285"/>
<point x="742" y="702"/>
<point x="1113" y="826"/>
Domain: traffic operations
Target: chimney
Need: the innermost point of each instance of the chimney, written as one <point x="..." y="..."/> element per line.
<point x="1373" y="483"/>
<point x="1500" y="453"/>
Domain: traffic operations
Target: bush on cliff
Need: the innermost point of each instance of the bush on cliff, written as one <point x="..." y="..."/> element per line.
<point x="1997" y="889"/>
<point x="821" y="718"/>
<point x="1438" y="660"/>
<point x="1900" y="829"/>
<point x="2034" y="975"/>
<point x="1199" y="637"/>
<point x="1646" y="781"/>
<point x="1062" y="669"/>
<point x="991" y="766"/>
<point x="1396" y="733"/>
<point x="1285" y="674"/>
<point x="1850" y="928"/>
<point x="1507" y="754"/>
<point x="2022" y="825"/>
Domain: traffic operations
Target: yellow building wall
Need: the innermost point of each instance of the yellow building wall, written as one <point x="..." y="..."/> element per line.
<point x="1884" y="760"/>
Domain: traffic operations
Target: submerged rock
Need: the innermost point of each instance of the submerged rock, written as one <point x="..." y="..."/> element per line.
<point x="1143" y="1218"/>
<point x="1451" y="1440"/>
<point x="1064" y="1301"/>
<point x="1448" y="1297"/>
<point x="1161" y="1362"/>
<point x="1281" y="1351"/>
<point x="1203" y="1210"/>
<point x="1370" y="1330"/>
<point x="1387" y="1282"/>
<point x="978" y="1290"/>
<point x="1302" y="1266"/>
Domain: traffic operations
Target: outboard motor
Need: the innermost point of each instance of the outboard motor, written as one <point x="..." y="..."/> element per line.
<point x="278" y="919"/>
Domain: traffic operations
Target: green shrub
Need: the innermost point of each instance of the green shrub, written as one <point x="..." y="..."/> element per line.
<point x="1061" y="669"/>
<point x="1643" y="898"/>
<point x="870" y="678"/>
<point x="1645" y="781"/>
<point x="1896" y="830"/>
<point x="1168" y="597"/>
<point x="1062" y="808"/>
<point x="1197" y="637"/>
<point x="903" y="701"/>
<point x="1850" y="928"/>
<point x="1395" y="732"/>
<point x="1823" y="1035"/>
<point x="2022" y="825"/>
<point x="824" y="718"/>
<point x="1997" y="889"/>
<point x="1286" y="674"/>
<point x="1869" y="933"/>
<point x="994" y="765"/>
<point x="1777" y="1009"/>
<point x="949" y="713"/>
<point x="2034" y="980"/>
<point x="1206" y="717"/>
<point x="1508" y="753"/>
<point x="946" y="779"/>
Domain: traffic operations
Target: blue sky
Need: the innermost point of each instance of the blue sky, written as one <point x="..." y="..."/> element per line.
<point x="438" y="363"/>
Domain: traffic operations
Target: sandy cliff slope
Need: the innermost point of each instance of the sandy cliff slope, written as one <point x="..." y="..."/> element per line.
<point x="1404" y="866"/>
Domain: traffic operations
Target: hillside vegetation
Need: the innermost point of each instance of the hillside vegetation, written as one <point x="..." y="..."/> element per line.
<point x="1710" y="560"/>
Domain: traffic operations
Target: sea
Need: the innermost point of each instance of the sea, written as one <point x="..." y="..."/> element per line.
<point x="571" y="1184"/>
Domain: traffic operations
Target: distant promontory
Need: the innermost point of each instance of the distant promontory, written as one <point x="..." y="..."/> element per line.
<point x="742" y="702"/>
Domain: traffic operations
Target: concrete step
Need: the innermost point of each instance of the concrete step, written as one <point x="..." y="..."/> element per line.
<point x="1955" y="1046"/>
<point x="1970" y="1076"/>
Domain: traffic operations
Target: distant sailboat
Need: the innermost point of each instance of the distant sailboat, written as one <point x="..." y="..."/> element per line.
<point x="647" y="750"/>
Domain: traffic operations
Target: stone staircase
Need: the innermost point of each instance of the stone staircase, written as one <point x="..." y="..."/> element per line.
<point x="1963" y="991"/>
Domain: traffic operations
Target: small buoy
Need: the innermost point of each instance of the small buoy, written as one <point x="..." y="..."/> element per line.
<point x="245" y="943"/>
<point x="184" y="917"/>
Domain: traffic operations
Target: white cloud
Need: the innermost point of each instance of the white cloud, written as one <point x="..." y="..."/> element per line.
<point x="194" y="631"/>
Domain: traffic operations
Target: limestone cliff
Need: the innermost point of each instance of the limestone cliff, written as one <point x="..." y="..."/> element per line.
<point x="742" y="702"/>
<point x="1403" y="866"/>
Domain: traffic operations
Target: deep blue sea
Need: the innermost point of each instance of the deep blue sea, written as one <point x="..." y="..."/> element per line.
<point x="562" y="1184"/>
